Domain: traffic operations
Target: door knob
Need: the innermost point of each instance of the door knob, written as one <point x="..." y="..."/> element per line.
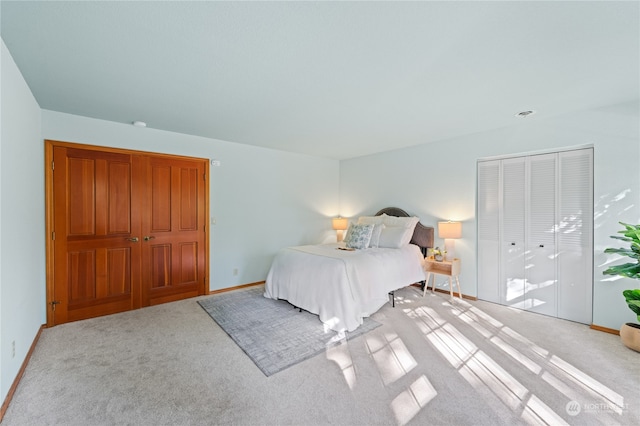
<point x="149" y="237"/>
<point x="134" y="239"/>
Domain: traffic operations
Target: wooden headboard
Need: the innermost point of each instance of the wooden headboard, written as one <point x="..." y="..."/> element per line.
<point x="422" y="235"/>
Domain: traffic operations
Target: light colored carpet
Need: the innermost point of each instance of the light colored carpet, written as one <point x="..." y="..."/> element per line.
<point x="273" y="333"/>
<point x="431" y="362"/>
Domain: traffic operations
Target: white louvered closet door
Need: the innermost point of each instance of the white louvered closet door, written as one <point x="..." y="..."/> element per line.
<point x="535" y="233"/>
<point x="541" y="283"/>
<point x="512" y="282"/>
<point x="488" y="214"/>
<point x="575" y="236"/>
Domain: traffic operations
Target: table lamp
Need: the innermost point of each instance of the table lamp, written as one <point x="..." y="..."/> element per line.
<point x="340" y="224"/>
<point x="450" y="231"/>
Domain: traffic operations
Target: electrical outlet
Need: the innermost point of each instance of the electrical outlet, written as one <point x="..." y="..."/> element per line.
<point x="13" y="349"/>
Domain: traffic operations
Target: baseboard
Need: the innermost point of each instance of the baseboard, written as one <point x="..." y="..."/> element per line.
<point x="455" y="293"/>
<point x="605" y="329"/>
<point x="224" y="290"/>
<point x="14" y="386"/>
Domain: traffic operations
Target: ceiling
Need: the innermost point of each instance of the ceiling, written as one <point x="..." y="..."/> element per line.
<point x="329" y="79"/>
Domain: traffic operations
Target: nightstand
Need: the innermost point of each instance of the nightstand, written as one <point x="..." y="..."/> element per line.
<point x="448" y="268"/>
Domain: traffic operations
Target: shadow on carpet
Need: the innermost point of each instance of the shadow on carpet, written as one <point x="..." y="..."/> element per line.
<point x="273" y="333"/>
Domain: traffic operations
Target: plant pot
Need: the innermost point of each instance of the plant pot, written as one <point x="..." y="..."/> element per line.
<point x="630" y="336"/>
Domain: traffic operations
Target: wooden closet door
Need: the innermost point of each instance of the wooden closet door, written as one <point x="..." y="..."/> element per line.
<point x="173" y="228"/>
<point x="127" y="230"/>
<point x="95" y="228"/>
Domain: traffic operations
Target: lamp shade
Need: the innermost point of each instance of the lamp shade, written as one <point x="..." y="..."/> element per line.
<point x="340" y="223"/>
<point x="450" y="229"/>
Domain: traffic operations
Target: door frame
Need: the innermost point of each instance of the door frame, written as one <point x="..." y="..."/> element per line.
<point x="50" y="200"/>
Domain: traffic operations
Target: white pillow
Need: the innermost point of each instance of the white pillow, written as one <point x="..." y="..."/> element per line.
<point x="370" y="220"/>
<point x="360" y="236"/>
<point x="375" y="235"/>
<point x="408" y="224"/>
<point x="405" y="222"/>
<point x="393" y="237"/>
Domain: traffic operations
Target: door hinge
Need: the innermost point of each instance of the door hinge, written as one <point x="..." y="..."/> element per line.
<point x="204" y="177"/>
<point x="54" y="303"/>
<point x="53" y="165"/>
<point x="204" y="228"/>
<point x="53" y="235"/>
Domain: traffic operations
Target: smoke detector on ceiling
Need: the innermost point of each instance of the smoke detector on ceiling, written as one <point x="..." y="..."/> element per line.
<point x="139" y="124"/>
<point x="524" y="114"/>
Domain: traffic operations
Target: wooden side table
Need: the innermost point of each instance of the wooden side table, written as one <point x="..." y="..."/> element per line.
<point x="448" y="268"/>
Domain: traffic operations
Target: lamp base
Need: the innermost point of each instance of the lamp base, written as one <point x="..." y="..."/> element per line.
<point x="450" y="248"/>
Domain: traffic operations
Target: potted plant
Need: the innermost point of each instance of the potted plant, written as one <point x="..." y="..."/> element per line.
<point x="438" y="255"/>
<point x="629" y="332"/>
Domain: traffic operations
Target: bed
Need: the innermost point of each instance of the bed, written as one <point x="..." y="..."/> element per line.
<point x="345" y="286"/>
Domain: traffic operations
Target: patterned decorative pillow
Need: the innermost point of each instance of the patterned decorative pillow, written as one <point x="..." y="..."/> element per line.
<point x="360" y="236"/>
<point x="347" y="236"/>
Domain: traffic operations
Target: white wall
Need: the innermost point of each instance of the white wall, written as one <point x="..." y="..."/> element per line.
<point x="437" y="181"/>
<point x="262" y="200"/>
<point x="22" y="245"/>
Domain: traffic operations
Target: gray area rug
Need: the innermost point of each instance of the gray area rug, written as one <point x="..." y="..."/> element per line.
<point x="274" y="334"/>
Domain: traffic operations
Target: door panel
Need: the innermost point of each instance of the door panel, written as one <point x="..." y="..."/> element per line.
<point x="174" y="239"/>
<point x="488" y="212"/>
<point x="93" y="256"/>
<point x="118" y="272"/>
<point x="119" y="208"/>
<point x="160" y="198"/>
<point x="160" y="265"/>
<point x="513" y="231"/>
<point x="575" y="236"/>
<point x="82" y="276"/>
<point x="188" y="262"/>
<point x="81" y="189"/>
<point x="541" y="283"/>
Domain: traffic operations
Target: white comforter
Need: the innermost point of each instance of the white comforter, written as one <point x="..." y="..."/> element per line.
<point x="342" y="287"/>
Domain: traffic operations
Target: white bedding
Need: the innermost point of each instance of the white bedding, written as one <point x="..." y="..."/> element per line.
<point x="342" y="287"/>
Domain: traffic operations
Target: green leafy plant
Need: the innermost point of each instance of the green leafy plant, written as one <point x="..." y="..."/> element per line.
<point x="631" y="235"/>
<point x="633" y="300"/>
